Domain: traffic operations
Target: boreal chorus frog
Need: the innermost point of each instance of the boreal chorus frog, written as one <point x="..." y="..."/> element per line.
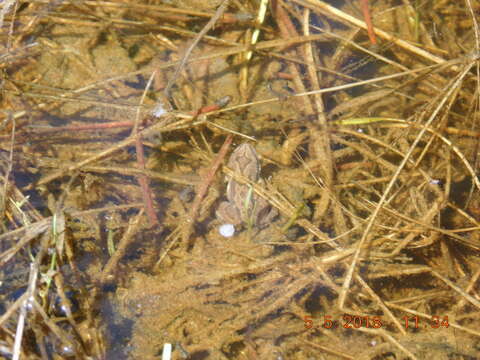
<point x="243" y="205"/>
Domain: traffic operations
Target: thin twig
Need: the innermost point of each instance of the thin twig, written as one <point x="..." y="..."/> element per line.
<point x="220" y="10"/>
<point x="128" y="236"/>
<point x="4" y="198"/>
<point x="32" y="283"/>
<point x="203" y="187"/>
<point x="143" y="178"/>
<point x="368" y="21"/>
<point x="200" y="194"/>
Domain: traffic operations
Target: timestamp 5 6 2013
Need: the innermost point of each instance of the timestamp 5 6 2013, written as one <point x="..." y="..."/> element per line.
<point x="373" y="322"/>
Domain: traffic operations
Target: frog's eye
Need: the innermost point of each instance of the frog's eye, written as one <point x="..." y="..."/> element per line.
<point x="226" y="230"/>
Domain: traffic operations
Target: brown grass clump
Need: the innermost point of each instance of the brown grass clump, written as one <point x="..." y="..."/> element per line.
<point x="119" y="119"/>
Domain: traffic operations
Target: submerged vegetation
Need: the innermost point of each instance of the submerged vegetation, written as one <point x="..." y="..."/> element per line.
<point x="355" y="208"/>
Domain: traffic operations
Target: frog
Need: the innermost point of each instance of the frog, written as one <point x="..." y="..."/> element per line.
<point x="243" y="205"/>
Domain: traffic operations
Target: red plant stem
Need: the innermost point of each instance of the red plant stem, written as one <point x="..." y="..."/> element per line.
<point x="203" y="187"/>
<point x="287" y="28"/>
<point x="206" y="109"/>
<point x="219" y="104"/>
<point x="368" y="21"/>
<point x="284" y="75"/>
<point x="144" y="182"/>
<point x="110" y="125"/>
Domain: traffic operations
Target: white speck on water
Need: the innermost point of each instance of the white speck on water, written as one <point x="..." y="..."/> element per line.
<point x="226" y="230"/>
<point x="167" y="351"/>
<point x="29" y="303"/>
<point x="159" y="110"/>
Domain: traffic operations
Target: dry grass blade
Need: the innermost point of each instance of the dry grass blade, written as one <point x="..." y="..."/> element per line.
<point x="221" y="9"/>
